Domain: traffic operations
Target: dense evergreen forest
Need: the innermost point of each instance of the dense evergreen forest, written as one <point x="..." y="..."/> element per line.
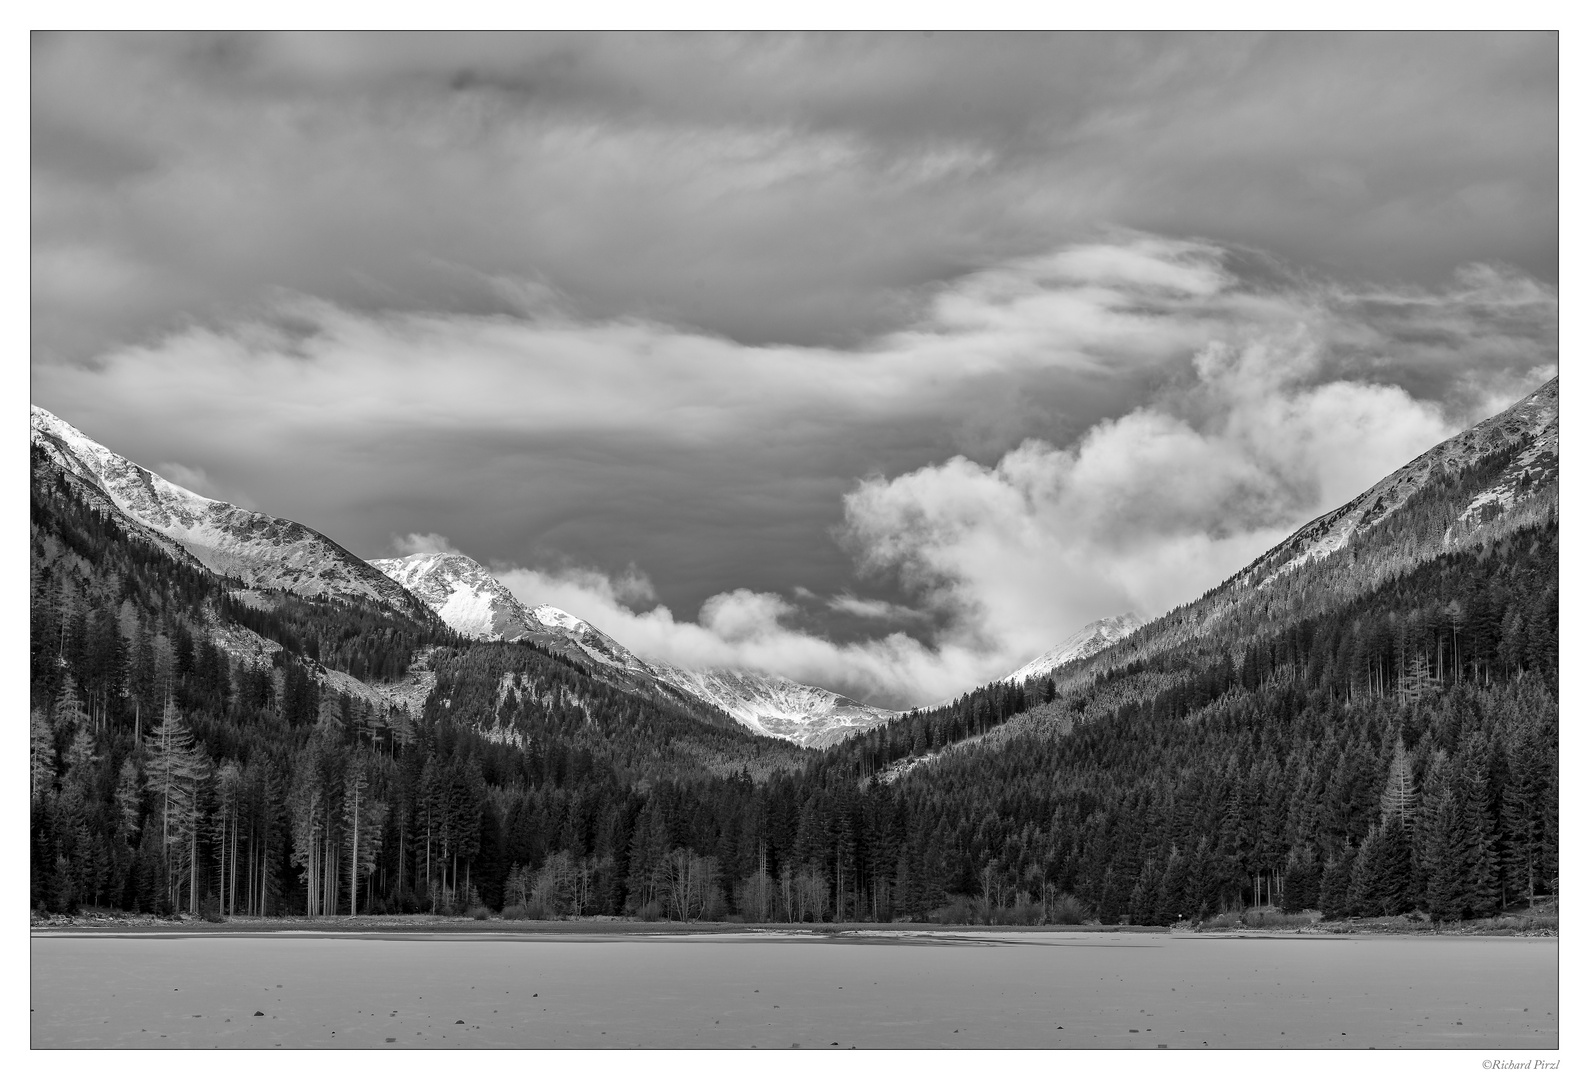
<point x="1388" y="751"/>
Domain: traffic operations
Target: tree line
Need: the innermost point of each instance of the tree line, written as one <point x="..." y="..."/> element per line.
<point x="1395" y="752"/>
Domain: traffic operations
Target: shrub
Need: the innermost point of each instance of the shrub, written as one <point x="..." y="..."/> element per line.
<point x="514" y="911"/>
<point x="1280" y="920"/>
<point x="958" y="911"/>
<point x="1067" y="911"/>
<point x="480" y="913"/>
<point x="1024" y="912"/>
<point x="1513" y="924"/>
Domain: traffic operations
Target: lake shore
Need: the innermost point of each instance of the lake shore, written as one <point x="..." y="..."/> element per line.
<point x="1538" y="922"/>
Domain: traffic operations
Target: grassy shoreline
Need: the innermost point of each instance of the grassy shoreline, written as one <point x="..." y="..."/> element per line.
<point x="1534" y="924"/>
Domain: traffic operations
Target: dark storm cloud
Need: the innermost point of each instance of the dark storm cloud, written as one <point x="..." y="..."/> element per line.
<point x="768" y="188"/>
<point x="871" y="357"/>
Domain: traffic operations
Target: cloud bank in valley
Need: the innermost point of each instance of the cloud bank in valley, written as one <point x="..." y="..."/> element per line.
<point x="1144" y="511"/>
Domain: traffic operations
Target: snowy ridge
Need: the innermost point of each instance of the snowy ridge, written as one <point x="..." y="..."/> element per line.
<point x="1533" y="421"/>
<point x="1526" y="437"/>
<point x="462" y="592"/>
<point x="468" y="599"/>
<point x="1090" y="639"/>
<point x="264" y="552"/>
<point x="776" y="706"/>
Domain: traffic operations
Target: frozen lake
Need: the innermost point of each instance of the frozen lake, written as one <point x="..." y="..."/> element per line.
<point x="919" y="989"/>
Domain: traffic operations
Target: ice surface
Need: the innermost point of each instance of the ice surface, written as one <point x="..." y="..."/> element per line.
<point x="991" y="989"/>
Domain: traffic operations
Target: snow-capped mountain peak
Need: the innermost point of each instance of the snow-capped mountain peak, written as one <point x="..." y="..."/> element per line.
<point x="468" y="599"/>
<point x="777" y="706"/>
<point x="552" y="616"/>
<point x="460" y="590"/>
<point x="1090" y="639"/>
<point x="264" y="552"/>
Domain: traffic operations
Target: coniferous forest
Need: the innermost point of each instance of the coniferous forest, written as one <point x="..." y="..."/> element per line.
<point x="197" y="747"/>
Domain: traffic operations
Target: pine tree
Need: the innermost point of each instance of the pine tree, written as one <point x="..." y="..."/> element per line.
<point x="1362" y="891"/>
<point x="41" y="755"/>
<point x="1393" y="869"/>
<point x="1171" y="905"/>
<point x="1481" y="868"/>
<point x="70" y="715"/>
<point x="1301" y="890"/>
<point x="1200" y="896"/>
<point x="1443" y="851"/>
<point x="1143" y="904"/>
<point x="176" y="771"/>
<point x="1400" y="797"/>
<point x="129" y="801"/>
<point x="362" y="820"/>
<point x="1112" y="897"/>
<point x="1335" y="883"/>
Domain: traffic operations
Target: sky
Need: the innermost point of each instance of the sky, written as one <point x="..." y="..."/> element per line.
<point x="880" y="362"/>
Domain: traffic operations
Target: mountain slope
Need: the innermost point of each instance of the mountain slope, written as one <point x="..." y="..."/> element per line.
<point x="465" y="595"/>
<point x="1494" y="478"/>
<point x="1463" y="503"/>
<point x="1531" y="426"/>
<point x="1090" y="639"/>
<point x="264" y="552"/>
<point x="1364" y="721"/>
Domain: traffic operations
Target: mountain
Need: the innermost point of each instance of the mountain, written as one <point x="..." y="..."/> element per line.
<point x="1090" y="639"/>
<point x="1497" y="477"/>
<point x="1363" y="722"/>
<point x="268" y="553"/>
<point x="468" y="599"/>
<point x="1370" y="732"/>
<point x="263" y="552"/>
<point x="774" y="705"/>
<point x="1458" y="505"/>
<point x="147" y="667"/>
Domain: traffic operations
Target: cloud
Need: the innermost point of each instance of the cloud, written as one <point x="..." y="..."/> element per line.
<point x="195" y="480"/>
<point x="1146" y="510"/>
<point x="198" y="481"/>
<point x="1055" y="438"/>
<point x="422" y="543"/>
<point x="181" y="177"/>
<point x="873" y="609"/>
<point x="1043" y="326"/>
<point x="746" y="630"/>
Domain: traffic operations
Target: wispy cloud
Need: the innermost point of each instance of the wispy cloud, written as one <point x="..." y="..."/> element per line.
<point x="198" y="481"/>
<point x="182" y="177"/>
<point x="874" y="609"/>
<point x="422" y="543"/>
